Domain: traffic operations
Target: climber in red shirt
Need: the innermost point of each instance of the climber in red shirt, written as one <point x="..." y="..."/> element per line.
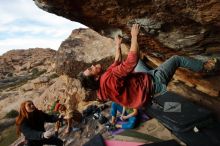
<point x="129" y="83"/>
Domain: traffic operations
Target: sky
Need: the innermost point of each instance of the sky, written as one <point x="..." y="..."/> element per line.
<point x="23" y="25"/>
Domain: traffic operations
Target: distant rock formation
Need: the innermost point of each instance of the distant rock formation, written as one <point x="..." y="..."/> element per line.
<point x="21" y="62"/>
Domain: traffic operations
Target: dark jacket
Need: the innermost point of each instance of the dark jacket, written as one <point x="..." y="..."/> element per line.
<point x="34" y="130"/>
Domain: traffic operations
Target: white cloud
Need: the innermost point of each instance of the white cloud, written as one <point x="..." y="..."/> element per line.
<point x="23" y="25"/>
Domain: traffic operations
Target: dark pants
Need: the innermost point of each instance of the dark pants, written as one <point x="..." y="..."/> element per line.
<point x="51" y="141"/>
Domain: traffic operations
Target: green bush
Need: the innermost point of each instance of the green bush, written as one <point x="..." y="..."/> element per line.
<point x="34" y="71"/>
<point x="54" y="76"/>
<point x="9" y="74"/>
<point x="12" y="114"/>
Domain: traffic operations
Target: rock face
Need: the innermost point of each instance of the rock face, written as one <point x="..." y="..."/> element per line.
<point x="167" y="26"/>
<point x="81" y="49"/>
<point x="63" y="88"/>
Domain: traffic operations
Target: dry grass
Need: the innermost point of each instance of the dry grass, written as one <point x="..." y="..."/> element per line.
<point x="8" y="136"/>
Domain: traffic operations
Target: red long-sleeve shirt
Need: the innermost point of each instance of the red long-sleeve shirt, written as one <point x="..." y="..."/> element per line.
<point x="123" y="86"/>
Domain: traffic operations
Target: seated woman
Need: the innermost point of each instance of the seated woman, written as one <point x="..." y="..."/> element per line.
<point x="127" y="114"/>
<point x="30" y="122"/>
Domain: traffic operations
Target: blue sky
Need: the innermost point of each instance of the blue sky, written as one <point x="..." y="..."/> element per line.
<point x="23" y="25"/>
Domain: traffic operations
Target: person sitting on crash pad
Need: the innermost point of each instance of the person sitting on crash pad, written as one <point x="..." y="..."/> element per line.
<point x="30" y="122"/>
<point x="130" y="115"/>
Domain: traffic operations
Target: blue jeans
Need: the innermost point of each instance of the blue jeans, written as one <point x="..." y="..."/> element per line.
<point x="131" y="121"/>
<point x="164" y="73"/>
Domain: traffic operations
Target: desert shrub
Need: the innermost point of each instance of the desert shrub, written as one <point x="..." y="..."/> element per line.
<point x="54" y="76"/>
<point x="12" y="114"/>
<point x="42" y="72"/>
<point x="9" y="74"/>
<point x="34" y="71"/>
